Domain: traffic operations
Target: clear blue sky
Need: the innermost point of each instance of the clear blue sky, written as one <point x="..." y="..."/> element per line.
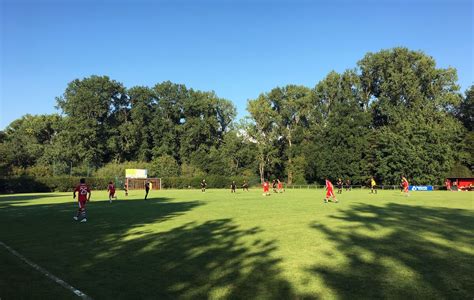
<point x="239" y="49"/>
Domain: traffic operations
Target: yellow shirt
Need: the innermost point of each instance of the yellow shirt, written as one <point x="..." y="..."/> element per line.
<point x="372" y="182"/>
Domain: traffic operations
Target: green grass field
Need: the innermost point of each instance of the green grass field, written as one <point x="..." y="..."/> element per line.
<point x="187" y="244"/>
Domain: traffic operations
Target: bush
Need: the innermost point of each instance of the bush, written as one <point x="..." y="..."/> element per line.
<point x="188" y="170"/>
<point x="213" y="181"/>
<point x="164" y="166"/>
<point x="26" y="184"/>
<point x="22" y="184"/>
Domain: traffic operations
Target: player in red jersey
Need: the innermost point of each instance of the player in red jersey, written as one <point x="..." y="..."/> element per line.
<point x="84" y="195"/>
<point x="448" y="184"/>
<point x="405" y="185"/>
<point x="266" y="188"/>
<point x="111" y="190"/>
<point x="280" y="186"/>
<point x="329" y="192"/>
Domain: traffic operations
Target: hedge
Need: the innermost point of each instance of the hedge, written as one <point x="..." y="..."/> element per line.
<point x="27" y="184"/>
<point x="213" y="181"/>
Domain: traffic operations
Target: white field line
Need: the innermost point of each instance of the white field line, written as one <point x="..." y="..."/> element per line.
<point x="46" y="273"/>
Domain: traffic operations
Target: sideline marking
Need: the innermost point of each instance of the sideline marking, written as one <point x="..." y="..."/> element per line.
<point x="46" y="273"/>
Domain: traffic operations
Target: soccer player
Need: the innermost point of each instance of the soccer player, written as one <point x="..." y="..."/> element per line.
<point x="266" y="188"/>
<point x="84" y="195"/>
<point x="280" y="186"/>
<point x="245" y="186"/>
<point x="448" y="184"/>
<point x="373" y="186"/>
<point x="329" y="191"/>
<point x="147" y="188"/>
<point x="203" y="185"/>
<point x="405" y="186"/>
<point x="126" y="189"/>
<point x="339" y="186"/>
<point x="111" y="190"/>
<point x="348" y="185"/>
<point x="274" y="186"/>
<point x="232" y="187"/>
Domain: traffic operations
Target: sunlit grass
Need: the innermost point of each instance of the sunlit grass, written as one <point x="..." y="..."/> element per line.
<point x="188" y="244"/>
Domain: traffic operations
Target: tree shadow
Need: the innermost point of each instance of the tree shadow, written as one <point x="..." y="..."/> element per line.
<point x="401" y="251"/>
<point x="6" y="200"/>
<point x="117" y="255"/>
<point x="205" y="260"/>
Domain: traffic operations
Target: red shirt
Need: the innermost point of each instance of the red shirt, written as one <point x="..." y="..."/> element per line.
<point x="328" y="185"/>
<point x="405" y="183"/>
<point x="265" y="185"/>
<point x="82" y="190"/>
<point x="111" y="188"/>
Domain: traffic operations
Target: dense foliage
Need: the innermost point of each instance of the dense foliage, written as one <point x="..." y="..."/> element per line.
<point x="396" y="113"/>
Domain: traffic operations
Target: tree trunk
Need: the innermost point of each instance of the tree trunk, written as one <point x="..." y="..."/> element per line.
<point x="290" y="167"/>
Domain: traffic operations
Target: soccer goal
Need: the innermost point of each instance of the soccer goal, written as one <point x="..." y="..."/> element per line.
<point x="139" y="183"/>
<point x="135" y="179"/>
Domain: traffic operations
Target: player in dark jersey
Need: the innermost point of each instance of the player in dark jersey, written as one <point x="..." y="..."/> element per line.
<point x="274" y="186"/>
<point x="232" y="186"/>
<point x="203" y="185"/>
<point x="245" y="186"/>
<point x="147" y="188"/>
<point x="348" y="185"/>
<point x="84" y="195"/>
<point x="339" y="186"/>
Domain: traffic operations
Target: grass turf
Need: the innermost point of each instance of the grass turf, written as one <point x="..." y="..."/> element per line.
<point x="188" y="244"/>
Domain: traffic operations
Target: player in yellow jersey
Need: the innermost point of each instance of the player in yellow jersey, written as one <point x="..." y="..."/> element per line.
<point x="373" y="186"/>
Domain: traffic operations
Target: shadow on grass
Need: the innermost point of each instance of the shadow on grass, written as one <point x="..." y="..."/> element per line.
<point x="192" y="261"/>
<point x="123" y="253"/>
<point x="26" y="197"/>
<point x="421" y="253"/>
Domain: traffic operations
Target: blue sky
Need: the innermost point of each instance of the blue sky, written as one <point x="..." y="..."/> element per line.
<point x="239" y="49"/>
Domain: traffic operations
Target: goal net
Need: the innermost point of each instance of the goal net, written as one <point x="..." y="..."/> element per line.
<point x="139" y="183"/>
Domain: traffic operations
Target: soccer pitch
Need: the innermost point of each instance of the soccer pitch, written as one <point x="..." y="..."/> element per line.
<point x="217" y="245"/>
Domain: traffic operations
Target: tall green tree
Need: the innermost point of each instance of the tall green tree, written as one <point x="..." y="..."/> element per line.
<point x="415" y="134"/>
<point x="27" y="141"/>
<point x="139" y="132"/>
<point x="262" y="130"/>
<point x="342" y="138"/>
<point x="93" y="106"/>
<point x="465" y="112"/>
<point x="293" y="106"/>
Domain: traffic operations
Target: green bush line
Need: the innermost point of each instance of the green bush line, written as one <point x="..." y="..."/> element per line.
<point x="27" y="184"/>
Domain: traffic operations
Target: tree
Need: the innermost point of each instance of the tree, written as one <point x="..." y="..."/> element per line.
<point x="238" y="152"/>
<point x="293" y="106"/>
<point x="465" y="113"/>
<point x="139" y="132"/>
<point x="164" y="166"/>
<point x="261" y="129"/>
<point x="26" y="141"/>
<point x="342" y="139"/>
<point x="411" y="101"/>
<point x="93" y="108"/>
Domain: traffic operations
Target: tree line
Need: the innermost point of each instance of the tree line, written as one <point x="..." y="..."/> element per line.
<point x="395" y="113"/>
